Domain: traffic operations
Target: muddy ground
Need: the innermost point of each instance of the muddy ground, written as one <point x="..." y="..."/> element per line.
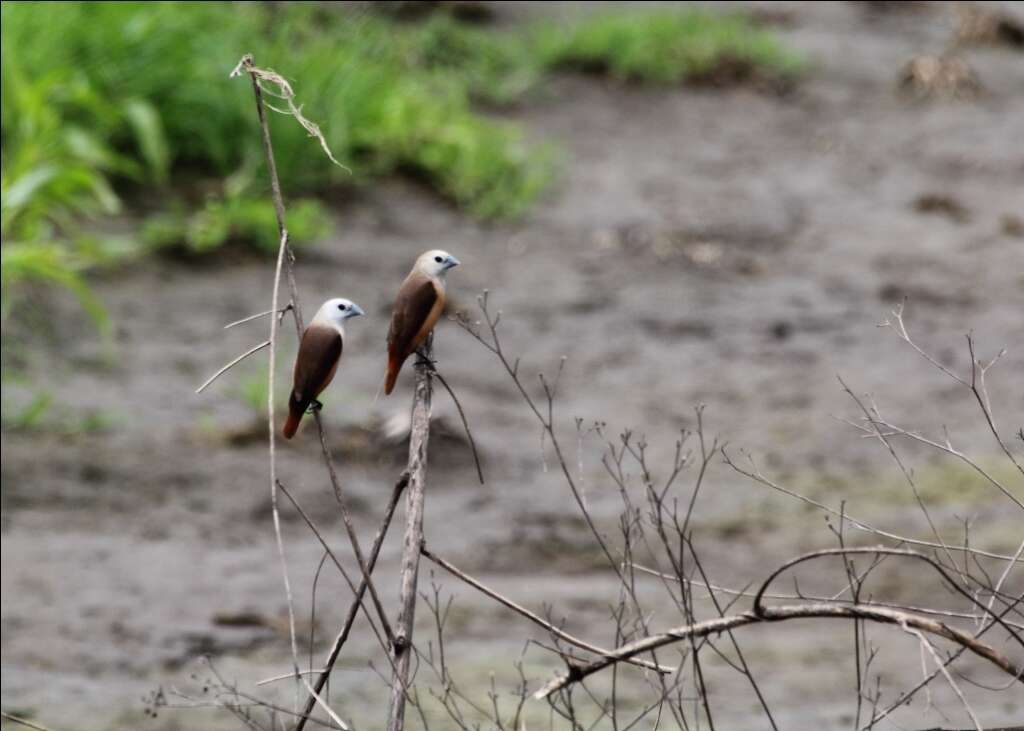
<point x="729" y="247"/>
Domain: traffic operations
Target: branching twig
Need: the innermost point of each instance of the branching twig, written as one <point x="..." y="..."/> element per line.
<point x="976" y="383"/>
<point x="465" y="425"/>
<point x="760" y="609"/>
<point x="861" y="525"/>
<point x="339" y="641"/>
<point x="522" y="611"/>
<point x="257" y="316"/>
<point x="779" y="614"/>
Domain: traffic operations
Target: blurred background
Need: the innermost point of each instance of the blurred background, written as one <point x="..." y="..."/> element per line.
<point x="694" y="203"/>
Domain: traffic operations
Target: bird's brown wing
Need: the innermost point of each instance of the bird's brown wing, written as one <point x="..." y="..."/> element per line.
<point x="319" y="352"/>
<point x="417" y="308"/>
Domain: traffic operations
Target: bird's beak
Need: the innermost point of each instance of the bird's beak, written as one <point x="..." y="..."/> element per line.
<point x="356" y="310"/>
<point x="452" y="262"/>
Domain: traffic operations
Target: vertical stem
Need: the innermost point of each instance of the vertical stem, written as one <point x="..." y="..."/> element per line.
<point x="275" y="319"/>
<point x="417" y="469"/>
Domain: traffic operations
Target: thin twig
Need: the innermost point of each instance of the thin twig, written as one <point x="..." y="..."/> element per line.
<point x="334" y="559"/>
<point x="323" y="704"/>
<point x="523" y="611"/>
<point x="835" y="598"/>
<point x="905" y="697"/>
<point x="465" y="424"/>
<point x="350" y="618"/>
<point x="282" y="250"/>
<point x="287" y="676"/>
<point x="346" y="519"/>
<point x="232" y="364"/>
<point x="22" y="721"/>
<point x="760" y="609"/>
<point x="861" y="525"/>
<point x="976" y="384"/>
<point x="257" y="316"/>
<point x="926" y="644"/>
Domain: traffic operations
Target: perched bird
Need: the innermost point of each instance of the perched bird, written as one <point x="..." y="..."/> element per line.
<point x="319" y="353"/>
<point x="418" y="305"/>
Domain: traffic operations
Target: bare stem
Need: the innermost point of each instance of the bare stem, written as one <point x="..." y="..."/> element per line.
<point x="417" y="470"/>
<point x="275" y="187"/>
<point x="350" y="619"/>
<point x="779" y="614"/>
<point x="232" y="364"/>
<point x="522" y="611"/>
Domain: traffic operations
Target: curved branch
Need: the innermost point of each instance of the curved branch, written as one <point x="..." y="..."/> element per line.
<point x="781" y="614"/>
<point x="760" y="610"/>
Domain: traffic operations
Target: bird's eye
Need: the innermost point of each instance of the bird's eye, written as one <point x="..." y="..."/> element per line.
<point x="341" y="307"/>
<point x="438" y="259"/>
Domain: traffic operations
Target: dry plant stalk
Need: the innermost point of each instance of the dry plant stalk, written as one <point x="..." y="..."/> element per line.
<point x="265" y="81"/>
<point x="417" y="470"/>
<point x="357" y="601"/>
<point x="958" y="566"/>
<point x="285" y="261"/>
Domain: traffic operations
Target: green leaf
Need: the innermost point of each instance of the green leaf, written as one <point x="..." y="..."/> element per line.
<point x="149" y="136"/>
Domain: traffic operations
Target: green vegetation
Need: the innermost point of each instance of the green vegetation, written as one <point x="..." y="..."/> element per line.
<point x="941" y="483"/>
<point x="38" y="413"/>
<point x="671" y="46"/>
<point x="252" y="391"/>
<point x="114" y="105"/>
<point x="150" y="80"/>
<point x="952" y="482"/>
<point x="46" y="262"/>
<point x="235" y="219"/>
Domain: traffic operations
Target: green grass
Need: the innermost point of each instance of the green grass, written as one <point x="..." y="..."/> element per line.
<point x="670" y="47"/>
<point x="35" y="411"/>
<point x="103" y="102"/>
<point x="252" y="391"/>
<point x="243" y="220"/>
<point x="361" y="78"/>
<point x="941" y="483"/>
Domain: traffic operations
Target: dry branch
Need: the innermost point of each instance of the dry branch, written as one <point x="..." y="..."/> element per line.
<point x="417" y="470"/>
<point x="22" y="721"/>
<point x="518" y="609"/>
<point x="282" y="252"/>
<point x="257" y="316"/>
<point x="256" y="75"/>
<point x="232" y="364"/>
<point x="780" y="614"/>
<point x="339" y="641"/>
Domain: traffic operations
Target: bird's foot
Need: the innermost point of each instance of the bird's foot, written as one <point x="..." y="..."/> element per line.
<point x="314" y="407"/>
<point x="423" y="361"/>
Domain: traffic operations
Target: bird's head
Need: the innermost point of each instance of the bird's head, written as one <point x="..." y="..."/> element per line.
<point x="337" y="310"/>
<point x="436" y="263"/>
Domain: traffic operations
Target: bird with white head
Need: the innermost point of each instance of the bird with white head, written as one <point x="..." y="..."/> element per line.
<point x="418" y="307"/>
<point x="317" y="361"/>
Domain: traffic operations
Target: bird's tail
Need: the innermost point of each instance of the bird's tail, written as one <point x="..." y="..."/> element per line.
<point x="394" y="365"/>
<point x="294" y="417"/>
